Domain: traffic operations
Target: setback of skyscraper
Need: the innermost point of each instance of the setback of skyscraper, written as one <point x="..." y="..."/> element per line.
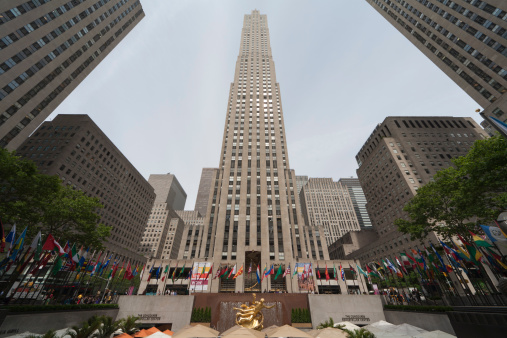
<point x="46" y="49"/>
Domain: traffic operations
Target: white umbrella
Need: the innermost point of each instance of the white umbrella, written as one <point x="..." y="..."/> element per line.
<point x="243" y="332"/>
<point x="287" y="331"/>
<point x="435" y="334"/>
<point x="158" y="335"/>
<point x="196" y="331"/>
<point x="329" y="332"/>
<point x="348" y="326"/>
<point x="406" y="329"/>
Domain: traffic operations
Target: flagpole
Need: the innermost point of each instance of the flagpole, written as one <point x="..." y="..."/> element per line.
<point x="47" y="257"/>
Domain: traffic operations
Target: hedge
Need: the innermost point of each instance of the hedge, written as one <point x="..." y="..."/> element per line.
<point x="201" y="315"/>
<point x="418" y="308"/>
<point x="44" y="308"/>
<point x="300" y="315"/>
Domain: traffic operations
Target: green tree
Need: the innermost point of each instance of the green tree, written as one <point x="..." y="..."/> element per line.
<point x="41" y="202"/>
<point x="129" y="325"/>
<point x="360" y="333"/>
<point x="107" y="328"/>
<point x="327" y="323"/>
<point x="472" y="192"/>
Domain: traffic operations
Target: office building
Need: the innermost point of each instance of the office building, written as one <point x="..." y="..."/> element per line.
<point x="203" y="193"/>
<point x="192" y="233"/>
<point x="74" y="148"/>
<point x="164" y="229"/>
<point x="46" y="49"/>
<point x="327" y="204"/>
<point x="466" y="39"/>
<point x="356" y="194"/>
<point x="402" y="154"/>
<point x="253" y="216"/>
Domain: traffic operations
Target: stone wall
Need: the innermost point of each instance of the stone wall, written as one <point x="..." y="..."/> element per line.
<point x="158" y="310"/>
<point x="357" y="309"/>
<point x="424" y="320"/>
<point x="42" y="322"/>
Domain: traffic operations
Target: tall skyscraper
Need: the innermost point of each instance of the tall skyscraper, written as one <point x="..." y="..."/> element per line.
<point x="168" y="190"/>
<point x="358" y="200"/>
<point x="253" y="217"/>
<point x="402" y="154"/>
<point x="466" y="39"/>
<point x="327" y="204"/>
<point x="47" y="47"/>
<point x="75" y="149"/>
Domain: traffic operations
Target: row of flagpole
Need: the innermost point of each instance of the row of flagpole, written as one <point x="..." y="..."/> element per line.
<point x="30" y="263"/>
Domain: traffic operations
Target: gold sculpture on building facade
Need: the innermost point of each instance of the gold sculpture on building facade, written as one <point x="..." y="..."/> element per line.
<point x="251" y="316"/>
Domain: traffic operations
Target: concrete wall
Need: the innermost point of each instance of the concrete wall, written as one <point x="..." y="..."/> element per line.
<point x="424" y="320"/>
<point x="42" y="322"/>
<point x="157" y="310"/>
<point x="357" y="309"/>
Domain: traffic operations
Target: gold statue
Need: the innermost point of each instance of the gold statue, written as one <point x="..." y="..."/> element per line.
<point x="251" y="316"/>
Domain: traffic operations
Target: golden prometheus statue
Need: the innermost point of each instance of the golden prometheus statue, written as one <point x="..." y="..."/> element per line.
<point x="251" y="316"/>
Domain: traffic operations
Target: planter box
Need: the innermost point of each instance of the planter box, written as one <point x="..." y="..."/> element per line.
<point x="302" y="325"/>
<point x="203" y="324"/>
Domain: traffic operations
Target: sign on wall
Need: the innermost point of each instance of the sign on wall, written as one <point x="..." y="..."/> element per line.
<point x="200" y="276"/>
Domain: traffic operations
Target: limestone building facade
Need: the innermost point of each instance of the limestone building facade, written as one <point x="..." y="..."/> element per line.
<point x="75" y="149"/>
<point x="46" y="49"/>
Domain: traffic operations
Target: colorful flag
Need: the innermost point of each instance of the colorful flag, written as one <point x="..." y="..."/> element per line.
<point x="11" y="237"/>
<point x="258" y="274"/>
<point x="96" y="264"/>
<point x="335" y="273"/>
<point x="264" y="273"/>
<point x="479" y="241"/>
<point x="295" y="271"/>
<point x="165" y="272"/>
<point x="181" y="272"/>
<point x="219" y="271"/>
<point x="361" y="270"/>
<point x="318" y="271"/>
<point x="279" y="271"/>
<point x="287" y="271"/>
<point x="18" y="247"/>
<point x="270" y="271"/>
<point x="232" y="273"/>
<point x="353" y="270"/>
<point x="174" y="273"/>
<point x="327" y="274"/>
<point x="495" y="234"/>
<point x="342" y="273"/>
<point x="372" y="272"/>
<point x="128" y="273"/>
<point x="82" y="259"/>
<point x="250" y="268"/>
<point x="240" y="271"/>
<point x="475" y="254"/>
<point x="51" y="244"/>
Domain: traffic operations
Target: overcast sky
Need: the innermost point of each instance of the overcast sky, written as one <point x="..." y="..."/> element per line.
<point x="161" y="95"/>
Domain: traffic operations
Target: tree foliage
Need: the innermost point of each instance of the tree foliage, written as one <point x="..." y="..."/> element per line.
<point x="472" y="192"/>
<point x="41" y="202"/>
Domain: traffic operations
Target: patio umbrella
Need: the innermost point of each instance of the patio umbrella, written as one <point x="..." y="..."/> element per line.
<point x="140" y="334"/>
<point x="123" y="335"/>
<point x="232" y="329"/>
<point x="151" y="331"/>
<point x="330" y="332"/>
<point x="243" y="332"/>
<point x="196" y="331"/>
<point x="435" y="334"/>
<point x="269" y="328"/>
<point x="348" y="325"/>
<point x="287" y="331"/>
<point x="406" y="329"/>
<point x="168" y="332"/>
<point x="158" y="335"/>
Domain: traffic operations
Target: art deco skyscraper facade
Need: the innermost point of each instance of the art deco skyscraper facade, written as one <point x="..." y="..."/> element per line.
<point x="466" y="39"/>
<point x="253" y="213"/>
<point x="47" y="47"/>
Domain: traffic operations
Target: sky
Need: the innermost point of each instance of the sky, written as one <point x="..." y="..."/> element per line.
<point x="161" y="94"/>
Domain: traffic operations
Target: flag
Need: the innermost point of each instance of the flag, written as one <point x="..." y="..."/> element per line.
<point x="96" y="264"/>
<point x="165" y="272"/>
<point x="76" y="256"/>
<point x="270" y="271"/>
<point x="181" y="271"/>
<point x="342" y="273"/>
<point x="128" y="273"/>
<point x="318" y="271"/>
<point x="159" y="270"/>
<point x="479" y="241"/>
<point x="475" y="254"/>
<point x="57" y="265"/>
<point x="495" y="234"/>
<point x="18" y="247"/>
<point x="11" y="237"/>
<point x="174" y="273"/>
<point x="250" y="268"/>
<point x="327" y="274"/>
<point x="104" y="266"/>
<point x="499" y="124"/>
<point x="287" y="271"/>
<point x="353" y="270"/>
<point x="258" y="274"/>
<point x="142" y="272"/>
<point x="51" y="244"/>
<point x="404" y="259"/>
<point x="224" y="271"/>
<point x="371" y="272"/>
<point x="115" y="268"/>
<point x="295" y="271"/>
<point x="279" y="271"/>
<point x="361" y="270"/>
<point x="264" y="273"/>
<point x="334" y="271"/>
<point x="210" y="272"/>
<point x="400" y="265"/>
<point x="112" y="269"/>
<point x="497" y="258"/>
<point x="232" y="272"/>
<point x="82" y="259"/>
<point x="219" y="271"/>
<point x="189" y="275"/>
<point x="240" y="271"/>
